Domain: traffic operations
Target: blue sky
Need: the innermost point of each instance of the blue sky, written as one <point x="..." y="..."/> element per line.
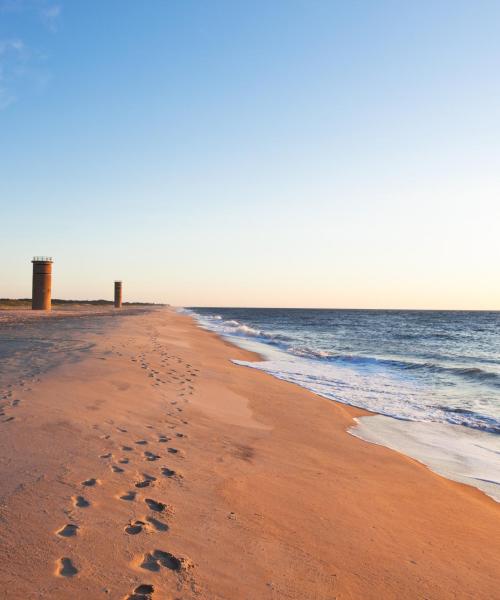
<point x="285" y="153"/>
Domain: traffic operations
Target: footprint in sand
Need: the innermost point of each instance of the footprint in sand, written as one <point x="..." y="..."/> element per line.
<point x="127" y="448"/>
<point x="90" y="482"/>
<point x="124" y="461"/>
<point x="153" y="561"/>
<point x="167" y="472"/>
<point x="163" y="438"/>
<point x="158" y="525"/>
<point x="81" y="502"/>
<point x="141" y="442"/>
<point x="135" y="527"/>
<point x="151" y="456"/>
<point x="142" y="592"/>
<point x="68" y="530"/>
<point x="146" y="482"/>
<point x="156" y="506"/>
<point x="117" y="469"/>
<point x="108" y="455"/>
<point x="129" y="496"/>
<point x="66" y="568"/>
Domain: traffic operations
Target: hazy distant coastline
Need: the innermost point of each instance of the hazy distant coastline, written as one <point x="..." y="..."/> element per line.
<point x="18" y="303"/>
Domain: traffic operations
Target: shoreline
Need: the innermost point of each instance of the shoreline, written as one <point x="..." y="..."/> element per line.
<point x="459" y="453"/>
<point x="265" y="496"/>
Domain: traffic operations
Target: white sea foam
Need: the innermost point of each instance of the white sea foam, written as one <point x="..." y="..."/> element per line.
<point x="409" y="420"/>
<point x="458" y="453"/>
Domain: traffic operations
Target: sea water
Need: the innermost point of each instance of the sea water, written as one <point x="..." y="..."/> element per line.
<point x="432" y="377"/>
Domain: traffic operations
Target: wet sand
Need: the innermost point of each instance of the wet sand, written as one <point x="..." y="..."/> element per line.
<point x="150" y="466"/>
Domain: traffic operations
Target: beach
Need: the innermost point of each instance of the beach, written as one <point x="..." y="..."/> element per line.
<point x="140" y="462"/>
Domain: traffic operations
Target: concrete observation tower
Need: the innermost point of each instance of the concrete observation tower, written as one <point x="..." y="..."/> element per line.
<point x="118" y="294"/>
<point x="42" y="283"/>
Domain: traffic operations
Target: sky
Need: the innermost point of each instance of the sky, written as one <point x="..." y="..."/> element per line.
<point x="268" y="153"/>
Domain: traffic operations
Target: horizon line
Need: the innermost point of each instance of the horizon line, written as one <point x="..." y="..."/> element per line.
<point x="345" y="308"/>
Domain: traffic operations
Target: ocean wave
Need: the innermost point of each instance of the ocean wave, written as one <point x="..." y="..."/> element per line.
<point x="418" y="336"/>
<point x="306" y="352"/>
<point x="236" y="328"/>
<point x="473" y="374"/>
<point x="470" y="418"/>
<point x="470" y="373"/>
<point x="454" y="388"/>
<point x="233" y="327"/>
<point x="376" y="393"/>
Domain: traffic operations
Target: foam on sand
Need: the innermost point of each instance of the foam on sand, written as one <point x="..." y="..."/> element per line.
<point x="459" y="453"/>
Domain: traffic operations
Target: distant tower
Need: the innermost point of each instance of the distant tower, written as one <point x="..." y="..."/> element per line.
<point x="42" y="283"/>
<point x="118" y="294"/>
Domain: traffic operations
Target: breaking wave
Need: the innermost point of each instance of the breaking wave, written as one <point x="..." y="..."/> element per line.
<point x="429" y="381"/>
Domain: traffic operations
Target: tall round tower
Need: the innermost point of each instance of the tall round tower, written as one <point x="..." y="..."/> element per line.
<point x="118" y="294"/>
<point x="42" y="283"/>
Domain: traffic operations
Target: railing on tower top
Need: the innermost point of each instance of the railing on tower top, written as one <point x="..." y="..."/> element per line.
<point x="42" y="259"/>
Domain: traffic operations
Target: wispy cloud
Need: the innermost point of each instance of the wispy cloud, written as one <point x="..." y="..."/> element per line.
<point x="49" y="13"/>
<point x="22" y="67"/>
<point x="16" y="45"/>
<point x="11" y="57"/>
<point x="50" y="16"/>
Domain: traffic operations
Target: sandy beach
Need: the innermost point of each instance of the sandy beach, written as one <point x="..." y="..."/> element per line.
<point x="149" y="466"/>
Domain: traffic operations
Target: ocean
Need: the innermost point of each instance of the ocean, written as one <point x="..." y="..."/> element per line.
<point x="431" y="377"/>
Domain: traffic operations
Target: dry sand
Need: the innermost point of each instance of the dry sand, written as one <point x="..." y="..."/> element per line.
<point x="155" y="461"/>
